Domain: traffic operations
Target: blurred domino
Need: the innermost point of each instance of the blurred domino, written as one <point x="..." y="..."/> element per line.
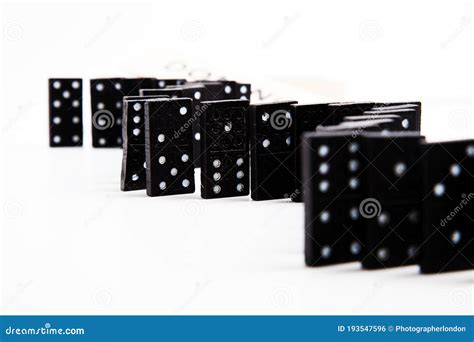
<point x="65" y="112"/>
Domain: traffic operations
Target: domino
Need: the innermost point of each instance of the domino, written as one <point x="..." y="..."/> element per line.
<point x="403" y="119"/>
<point x="65" y="112"/>
<point x="383" y="123"/>
<point x="162" y="88"/>
<point x="392" y="184"/>
<point x="307" y="118"/>
<point x="224" y="146"/>
<point x="409" y="123"/>
<point x="169" y="147"/>
<point x="106" y="109"/>
<point x="132" y="86"/>
<point x="333" y="169"/>
<point x="197" y="92"/>
<point x="225" y="90"/>
<point x="448" y="203"/>
<point x="133" y="176"/>
<point x="243" y="91"/>
<point x="272" y="151"/>
<point x="163" y="83"/>
<point x="216" y="90"/>
<point x="340" y="111"/>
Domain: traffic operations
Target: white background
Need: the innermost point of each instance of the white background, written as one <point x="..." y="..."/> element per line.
<point x="73" y="243"/>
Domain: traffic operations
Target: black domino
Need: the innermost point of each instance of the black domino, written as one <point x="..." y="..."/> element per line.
<point x="272" y="151"/>
<point x="225" y="90"/>
<point x="224" y="146"/>
<point x="306" y="118"/>
<point x="133" y="176"/>
<point x="392" y="180"/>
<point x="409" y="121"/>
<point x="65" y="112"/>
<point x="340" y="111"/>
<point x="365" y="123"/>
<point x="403" y="119"/>
<point x="332" y="174"/>
<point x="163" y="83"/>
<point x="448" y="207"/>
<point x="106" y="109"/>
<point x="169" y="147"/>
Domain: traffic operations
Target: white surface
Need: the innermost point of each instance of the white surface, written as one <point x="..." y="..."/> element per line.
<point x="73" y="243"/>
